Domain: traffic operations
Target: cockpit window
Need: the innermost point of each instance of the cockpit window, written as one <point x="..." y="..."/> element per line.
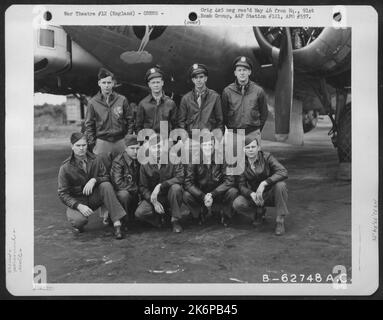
<point x="47" y="38"/>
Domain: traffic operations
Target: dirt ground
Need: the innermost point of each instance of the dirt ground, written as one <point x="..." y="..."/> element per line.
<point x="318" y="229"/>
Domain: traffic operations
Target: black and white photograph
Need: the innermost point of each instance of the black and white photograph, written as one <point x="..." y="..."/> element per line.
<point x="187" y="152"/>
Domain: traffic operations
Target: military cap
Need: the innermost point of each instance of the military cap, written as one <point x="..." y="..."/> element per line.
<point x="243" y="62"/>
<point x="130" y="140"/>
<point x="152" y="73"/>
<point x="197" y="68"/>
<point x="255" y="135"/>
<point x="76" y="136"/>
<point x="103" y="73"/>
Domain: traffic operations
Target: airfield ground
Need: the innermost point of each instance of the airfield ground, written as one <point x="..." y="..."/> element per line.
<point x="318" y="229"/>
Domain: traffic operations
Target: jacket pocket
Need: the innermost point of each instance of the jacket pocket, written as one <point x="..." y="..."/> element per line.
<point x="230" y="112"/>
<point x="201" y="172"/>
<point x="230" y="117"/>
<point x="252" y="116"/>
<point x="165" y="114"/>
<point x="148" y="121"/>
<point x="217" y="175"/>
<point x="212" y="121"/>
<point x="77" y="190"/>
<point x="255" y="113"/>
<point x="117" y="109"/>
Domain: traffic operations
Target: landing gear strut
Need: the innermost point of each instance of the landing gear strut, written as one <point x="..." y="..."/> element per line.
<point x="344" y="134"/>
<point x="341" y="135"/>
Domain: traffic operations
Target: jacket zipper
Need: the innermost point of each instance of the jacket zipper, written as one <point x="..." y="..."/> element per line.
<point x="109" y="111"/>
<point x="155" y="120"/>
<point x="242" y="107"/>
<point x="85" y="175"/>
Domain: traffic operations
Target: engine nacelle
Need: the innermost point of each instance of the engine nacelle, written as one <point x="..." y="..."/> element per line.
<point x="320" y="50"/>
<point x="56" y="53"/>
<point x="52" y="51"/>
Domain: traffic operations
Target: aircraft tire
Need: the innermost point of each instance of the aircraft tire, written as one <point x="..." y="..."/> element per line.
<point x="344" y="135"/>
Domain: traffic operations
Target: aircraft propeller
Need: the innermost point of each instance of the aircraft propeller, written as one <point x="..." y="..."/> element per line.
<point x="284" y="87"/>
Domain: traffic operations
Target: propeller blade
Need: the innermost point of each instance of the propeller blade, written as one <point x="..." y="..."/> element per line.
<point x="284" y="88"/>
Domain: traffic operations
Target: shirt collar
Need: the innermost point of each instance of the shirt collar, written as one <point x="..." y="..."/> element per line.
<point x="203" y="92"/>
<point x="239" y="87"/>
<point x="103" y="98"/>
<point x="212" y="158"/>
<point x="77" y="160"/>
<point x="152" y="98"/>
<point x="128" y="159"/>
<point x="253" y="161"/>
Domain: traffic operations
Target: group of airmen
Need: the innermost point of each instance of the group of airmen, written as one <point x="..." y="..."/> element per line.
<point x="104" y="171"/>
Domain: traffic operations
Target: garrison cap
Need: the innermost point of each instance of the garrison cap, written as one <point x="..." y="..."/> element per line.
<point x="76" y="136"/>
<point x="152" y="73"/>
<point x="103" y="73"/>
<point x="130" y="140"/>
<point x="243" y="140"/>
<point x="255" y="135"/>
<point x="243" y="62"/>
<point x="198" y="68"/>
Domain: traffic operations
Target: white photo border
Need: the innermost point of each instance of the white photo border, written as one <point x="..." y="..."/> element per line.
<point x="19" y="20"/>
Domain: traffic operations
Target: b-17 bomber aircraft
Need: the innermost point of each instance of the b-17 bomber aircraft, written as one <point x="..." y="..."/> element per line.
<point x="304" y="71"/>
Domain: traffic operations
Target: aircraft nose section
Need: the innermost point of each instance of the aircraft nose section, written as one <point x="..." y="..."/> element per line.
<point x="52" y="51"/>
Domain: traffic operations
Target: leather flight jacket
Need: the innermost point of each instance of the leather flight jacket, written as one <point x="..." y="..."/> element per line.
<point x="149" y="114"/>
<point x="201" y="179"/>
<point x="151" y="176"/>
<point x="72" y="178"/>
<point x="247" y="110"/>
<point x="208" y="116"/>
<point x="267" y="168"/>
<point x="108" y="120"/>
<point x="124" y="173"/>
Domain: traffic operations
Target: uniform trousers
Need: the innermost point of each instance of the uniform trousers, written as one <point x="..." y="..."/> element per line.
<point x="103" y="146"/>
<point x="129" y="202"/>
<point x="106" y="147"/>
<point x="103" y="194"/>
<point x="171" y="202"/>
<point x="221" y="203"/>
<point x="275" y="196"/>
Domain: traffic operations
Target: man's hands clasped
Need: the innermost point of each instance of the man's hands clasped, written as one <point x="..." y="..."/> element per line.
<point x="154" y="200"/>
<point x="257" y="196"/>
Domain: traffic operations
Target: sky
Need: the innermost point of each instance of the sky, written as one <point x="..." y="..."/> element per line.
<point x="41" y="98"/>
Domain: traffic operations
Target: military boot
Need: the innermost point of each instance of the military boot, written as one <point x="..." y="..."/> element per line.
<point x="280" y="226"/>
<point x="177" y="228"/>
<point x="259" y="216"/>
<point x="118" y="232"/>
